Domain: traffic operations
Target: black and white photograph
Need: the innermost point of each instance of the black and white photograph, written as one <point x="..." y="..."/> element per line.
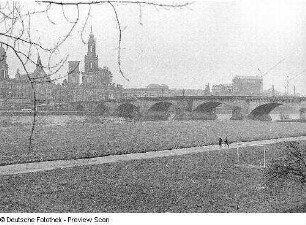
<point x="152" y="107"/>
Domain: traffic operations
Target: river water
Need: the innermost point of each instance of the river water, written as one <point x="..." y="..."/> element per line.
<point x="274" y="116"/>
<point x="65" y="119"/>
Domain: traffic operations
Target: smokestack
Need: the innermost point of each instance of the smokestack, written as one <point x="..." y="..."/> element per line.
<point x="287" y="85"/>
<point x="294" y="90"/>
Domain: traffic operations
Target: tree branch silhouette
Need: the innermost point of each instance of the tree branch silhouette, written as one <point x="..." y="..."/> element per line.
<point x="16" y="31"/>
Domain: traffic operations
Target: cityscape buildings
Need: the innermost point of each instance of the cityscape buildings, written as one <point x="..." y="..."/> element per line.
<point x="241" y="85"/>
<point x="95" y="84"/>
<point x="247" y="85"/>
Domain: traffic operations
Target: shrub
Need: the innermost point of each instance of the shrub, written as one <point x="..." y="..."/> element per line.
<point x="291" y="164"/>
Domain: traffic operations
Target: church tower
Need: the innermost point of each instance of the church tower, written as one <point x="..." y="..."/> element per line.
<point x="94" y="76"/>
<point x="91" y="58"/>
<point x="3" y="65"/>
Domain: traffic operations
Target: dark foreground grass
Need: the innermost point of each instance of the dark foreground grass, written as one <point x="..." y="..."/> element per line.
<point x="202" y="182"/>
<point x="81" y="140"/>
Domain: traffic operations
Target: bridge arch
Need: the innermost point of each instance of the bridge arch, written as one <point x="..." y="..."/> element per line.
<point x="262" y="112"/>
<point x="207" y="107"/>
<point x="205" y="111"/>
<point x="210" y="109"/>
<point x="161" y="111"/>
<point x="161" y="107"/>
<point x="237" y="113"/>
<point x="128" y="110"/>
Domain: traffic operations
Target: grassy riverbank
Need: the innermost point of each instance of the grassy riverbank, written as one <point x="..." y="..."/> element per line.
<point x="80" y="140"/>
<point x="202" y="182"/>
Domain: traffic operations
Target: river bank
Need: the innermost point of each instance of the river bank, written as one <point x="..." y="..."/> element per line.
<point x="202" y="182"/>
<point x="75" y="139"/>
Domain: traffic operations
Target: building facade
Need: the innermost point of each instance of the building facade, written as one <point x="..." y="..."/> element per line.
<point x="247" y="85"/>
<point x="93" y="75"/>
<point x="222" y="89"/>
<point x="94" y="84"/>
<point x="3" y="65"/>
<point x="74" y="73"/>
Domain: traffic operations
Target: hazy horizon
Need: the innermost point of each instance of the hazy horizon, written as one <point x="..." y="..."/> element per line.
<point x="187" y="48"/>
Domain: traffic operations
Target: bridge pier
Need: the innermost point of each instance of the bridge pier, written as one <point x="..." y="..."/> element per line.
<point x="261" y="117"/>
<point x="303" y="114"/>
<point x="237" y="114"/>
<point x="210" y="115"/>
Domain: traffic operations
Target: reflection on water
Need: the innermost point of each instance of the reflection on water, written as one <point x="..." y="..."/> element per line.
<point x="56" y="120"/>
<point x="273" y="116"/>
<point x="46" y="120"/>
<point x="291" y="116"/>
<point x="65" y="119"/>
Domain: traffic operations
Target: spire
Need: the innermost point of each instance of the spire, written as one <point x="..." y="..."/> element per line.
<point x="91" y="35"/>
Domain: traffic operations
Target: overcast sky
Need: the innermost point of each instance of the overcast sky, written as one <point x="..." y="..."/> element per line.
<point x="211" y="42"/>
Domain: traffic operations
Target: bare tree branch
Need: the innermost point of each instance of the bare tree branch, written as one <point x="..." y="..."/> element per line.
<point x="120" y="2"/>
<point x="119" y="41"/>
<point x="16" y="29"/>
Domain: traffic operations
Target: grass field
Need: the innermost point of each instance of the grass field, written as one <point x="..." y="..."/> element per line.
<point x="202" y="182"/>
<point x="79" y="140"/>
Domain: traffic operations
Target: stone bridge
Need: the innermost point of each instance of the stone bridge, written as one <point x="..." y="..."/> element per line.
<point x="192" y="107"/>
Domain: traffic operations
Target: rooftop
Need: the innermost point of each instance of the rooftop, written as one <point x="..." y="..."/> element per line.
<point x="248" y="77"/>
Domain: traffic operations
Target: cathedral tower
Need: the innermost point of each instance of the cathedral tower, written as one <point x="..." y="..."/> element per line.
<point x="91" y="58"/>
<point x="94" y="76"/>
<point x="3" y="65"/>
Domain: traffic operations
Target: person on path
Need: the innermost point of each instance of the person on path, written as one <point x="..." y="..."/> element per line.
<point x="220" y="142"/>
<point x="226" y="142"/>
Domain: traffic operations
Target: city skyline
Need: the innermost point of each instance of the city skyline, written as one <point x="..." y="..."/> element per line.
<point x="215" y="42"/>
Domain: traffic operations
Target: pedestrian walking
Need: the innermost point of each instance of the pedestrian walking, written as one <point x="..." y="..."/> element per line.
<point x="220" y="142"/>
<point x="226" y="142"/>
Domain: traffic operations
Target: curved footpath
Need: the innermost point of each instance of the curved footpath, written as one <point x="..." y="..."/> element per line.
<point x="51" y="165"/>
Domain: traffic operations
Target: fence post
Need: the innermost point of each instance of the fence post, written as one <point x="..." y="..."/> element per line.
<point x="264" y="156"/>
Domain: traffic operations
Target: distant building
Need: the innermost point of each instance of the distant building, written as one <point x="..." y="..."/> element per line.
<point x="74" y="73"/>
<point x="96" y="84"/>
<point x="93" y="74"/>
<point x="18" y="93"/>
<point x="158" y="86"/>
<point x="247" y="85"/>
<point x="93" y="84"/>
<point x="3" y="65"/>
<point x="222" y="89"/>
<point x="207" y="90"/>
<point x="41" y="81"/>
<point x="152" y="90"/>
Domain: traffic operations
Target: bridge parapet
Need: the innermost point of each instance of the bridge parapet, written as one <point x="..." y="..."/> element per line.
<point x="201" y="106"/>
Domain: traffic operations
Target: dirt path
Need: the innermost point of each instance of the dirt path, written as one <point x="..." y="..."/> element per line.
<point x="50" y="165"/>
